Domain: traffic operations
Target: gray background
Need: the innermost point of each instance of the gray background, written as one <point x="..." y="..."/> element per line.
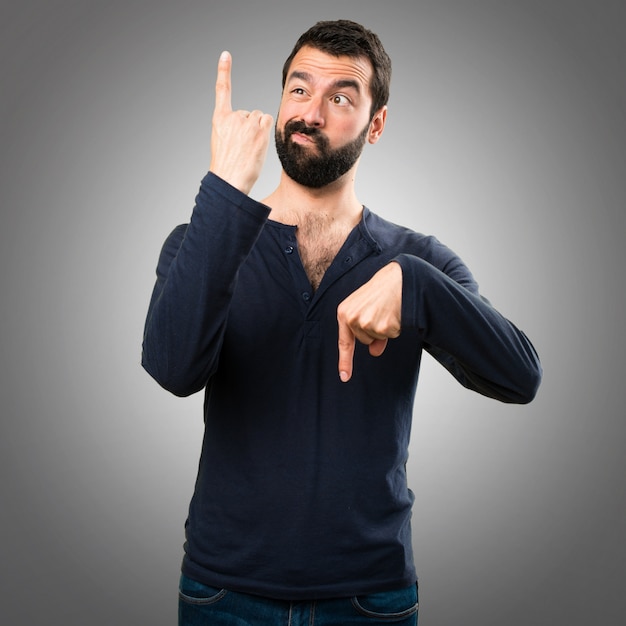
<point x="506" y="138"/>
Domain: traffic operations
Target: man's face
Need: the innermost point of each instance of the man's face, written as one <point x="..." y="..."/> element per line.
<point x="324" y="117"/>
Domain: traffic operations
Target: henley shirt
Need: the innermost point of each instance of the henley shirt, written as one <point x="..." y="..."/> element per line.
<point x="302" y="490"/>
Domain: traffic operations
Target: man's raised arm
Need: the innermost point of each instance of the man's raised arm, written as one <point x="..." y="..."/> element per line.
<point x="199" y="263"/>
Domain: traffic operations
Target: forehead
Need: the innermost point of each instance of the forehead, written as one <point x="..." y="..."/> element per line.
<point x="321" y="66"/>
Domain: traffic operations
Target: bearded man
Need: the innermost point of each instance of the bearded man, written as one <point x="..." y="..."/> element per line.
<point x="303" y="318"/>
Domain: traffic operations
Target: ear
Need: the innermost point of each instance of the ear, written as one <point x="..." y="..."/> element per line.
<point x="377" y="125"/>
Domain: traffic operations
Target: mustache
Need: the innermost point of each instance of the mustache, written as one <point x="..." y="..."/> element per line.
<point x="299" y="126"/>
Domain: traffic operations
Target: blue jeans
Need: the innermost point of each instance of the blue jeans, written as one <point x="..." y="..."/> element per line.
<point x="199" y="605"/>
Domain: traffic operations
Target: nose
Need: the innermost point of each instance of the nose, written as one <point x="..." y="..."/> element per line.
<point x="313" y="113"/>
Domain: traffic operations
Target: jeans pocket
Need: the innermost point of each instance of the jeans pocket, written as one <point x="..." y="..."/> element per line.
<point x="193" y="592"/>
<point x="388" y="606"/>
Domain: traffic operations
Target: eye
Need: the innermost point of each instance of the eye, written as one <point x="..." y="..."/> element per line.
<point x="340" y="100"/>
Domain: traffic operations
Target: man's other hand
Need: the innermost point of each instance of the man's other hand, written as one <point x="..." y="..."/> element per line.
<point x="371" y="315"/>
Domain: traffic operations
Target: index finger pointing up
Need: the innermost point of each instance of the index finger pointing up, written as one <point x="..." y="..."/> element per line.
<point x="222" y="85"/>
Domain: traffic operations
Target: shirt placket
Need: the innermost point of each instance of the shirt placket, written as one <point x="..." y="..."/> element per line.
<point x="352" y="252"/>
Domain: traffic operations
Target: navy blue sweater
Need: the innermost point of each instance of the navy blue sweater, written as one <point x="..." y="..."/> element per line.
<point x="301" y="490"/>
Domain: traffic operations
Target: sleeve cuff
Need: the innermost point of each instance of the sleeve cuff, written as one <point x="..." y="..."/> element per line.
<point x="232" y="195"/>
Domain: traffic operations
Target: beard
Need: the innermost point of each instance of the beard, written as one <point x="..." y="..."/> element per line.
<point x="311" y="168"/>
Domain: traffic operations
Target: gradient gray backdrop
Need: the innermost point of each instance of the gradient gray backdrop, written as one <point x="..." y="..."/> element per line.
<point x="506" y="138"/>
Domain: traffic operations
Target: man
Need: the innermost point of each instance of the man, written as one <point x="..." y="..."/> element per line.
<point x="301" y="510"/>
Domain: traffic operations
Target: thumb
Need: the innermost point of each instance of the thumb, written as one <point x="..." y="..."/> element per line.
<point x="377" y="347"/>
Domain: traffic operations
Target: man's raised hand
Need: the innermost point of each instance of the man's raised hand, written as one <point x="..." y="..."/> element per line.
<point x="239" y="139"/>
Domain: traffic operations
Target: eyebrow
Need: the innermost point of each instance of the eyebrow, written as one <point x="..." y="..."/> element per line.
<point x="342" y="83"/>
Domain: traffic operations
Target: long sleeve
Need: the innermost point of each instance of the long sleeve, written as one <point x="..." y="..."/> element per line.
<point x="196" y="276"/>
<point x="482" y="349"/>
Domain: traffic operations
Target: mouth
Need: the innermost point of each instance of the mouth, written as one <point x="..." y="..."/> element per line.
<point x="302" y="139"/>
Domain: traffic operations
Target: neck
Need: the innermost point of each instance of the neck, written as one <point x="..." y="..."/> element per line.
<point x="291" y="203"/>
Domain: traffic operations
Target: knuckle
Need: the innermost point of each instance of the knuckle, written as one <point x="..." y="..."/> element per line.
<point x="344" y="345"/>
<point x="366" y="322"/>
